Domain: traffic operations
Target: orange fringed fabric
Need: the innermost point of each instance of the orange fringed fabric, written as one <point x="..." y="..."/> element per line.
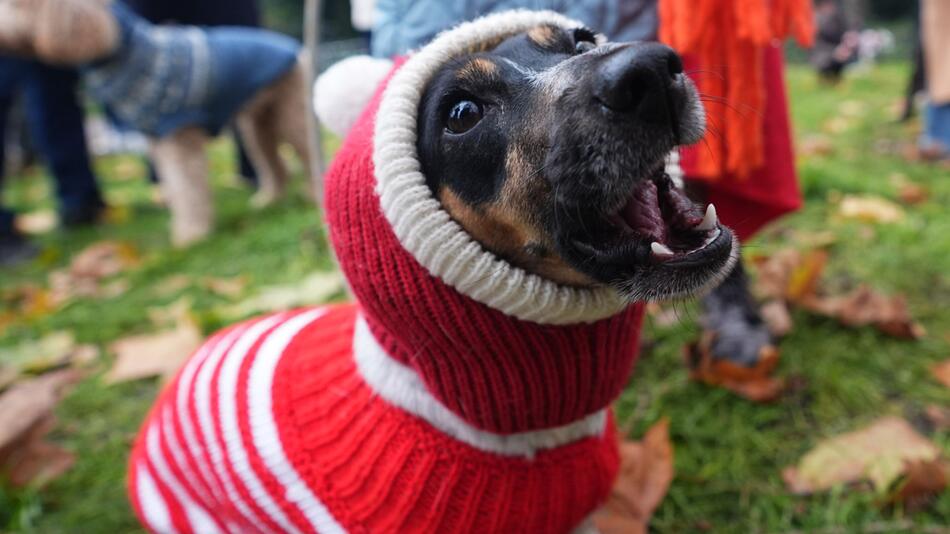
<point x="725" y="40"/>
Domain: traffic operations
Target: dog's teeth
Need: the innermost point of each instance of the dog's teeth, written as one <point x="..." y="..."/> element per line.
<point x="710" y="220"/>
<point x="659" y="249"/>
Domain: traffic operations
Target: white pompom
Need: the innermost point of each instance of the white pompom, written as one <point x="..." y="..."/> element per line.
<point x="343" y="90"/>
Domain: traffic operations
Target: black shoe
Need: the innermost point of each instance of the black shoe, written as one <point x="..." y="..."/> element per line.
<point x="14" y="250"/>
<point x="85" y="215"/>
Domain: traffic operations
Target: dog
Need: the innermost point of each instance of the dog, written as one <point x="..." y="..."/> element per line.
<point x="180" y="85"/>
<point x="499" y="254"/>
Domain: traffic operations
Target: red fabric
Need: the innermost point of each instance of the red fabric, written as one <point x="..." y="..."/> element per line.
<point x="374" y="467"/>
<point x="746" y="205"/>
<point x="496" y="372"/>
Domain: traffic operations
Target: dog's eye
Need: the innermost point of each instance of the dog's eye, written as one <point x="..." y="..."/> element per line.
<point x="584" y="40"/>
<point x="463" y="116"/>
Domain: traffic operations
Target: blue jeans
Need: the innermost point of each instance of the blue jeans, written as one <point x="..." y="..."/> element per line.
<point x="937" y="126"/>
<point x="56" y="124"/>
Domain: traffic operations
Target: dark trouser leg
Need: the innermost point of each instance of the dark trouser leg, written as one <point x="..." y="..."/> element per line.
<point x="245" y="167"/>
<point x="6" y="216"/>
<point x="56" y="121"/>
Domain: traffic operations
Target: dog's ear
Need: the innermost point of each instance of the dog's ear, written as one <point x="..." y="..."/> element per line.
<point x="342" y="92"/>
<point x="74" y="32"/>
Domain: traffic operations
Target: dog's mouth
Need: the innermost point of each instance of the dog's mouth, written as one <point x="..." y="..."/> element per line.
<point x="656" y="224"/>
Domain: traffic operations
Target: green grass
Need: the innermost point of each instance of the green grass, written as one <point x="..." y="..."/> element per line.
<point x="729" y="453"/>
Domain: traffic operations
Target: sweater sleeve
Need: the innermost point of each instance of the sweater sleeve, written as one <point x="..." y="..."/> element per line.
<point x="403" y="25"/>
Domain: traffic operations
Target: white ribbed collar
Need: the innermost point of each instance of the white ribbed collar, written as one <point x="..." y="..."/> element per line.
<point x="426" y="230"/>
<point x="400" y="386"/>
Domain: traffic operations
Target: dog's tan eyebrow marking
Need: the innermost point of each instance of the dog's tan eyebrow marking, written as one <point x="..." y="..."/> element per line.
<point x="478" y="69"/>
<point x="544" y="36"/>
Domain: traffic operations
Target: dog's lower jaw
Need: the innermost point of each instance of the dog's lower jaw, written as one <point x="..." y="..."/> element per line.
<point x="73" y="32"/>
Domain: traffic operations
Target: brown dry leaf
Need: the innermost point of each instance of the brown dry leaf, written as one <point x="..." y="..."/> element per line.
<point x="149" y="355"/>
<point x="789" y="274"/>
<point x="646" y="471"/>
<point x="103" y="259"/>
<point x="941" y="372"/>
<point x="870" y="209"/>
<point x="36" y="462"/>
<point x="28" y="302"/>
<point x="753" y="383"/>
<point x="815" y="145"/>
<point x="25" y="418"/>
<point x="866" y="307"/>
<point x="37" y="222"/>
<point x="879" y="454"/>
<point x="777" y="318"/>
<point x="921" y="482"/>
<point x="912" y="194"/>
<point x="86" y="274"/>
<point x="938" y="416"/>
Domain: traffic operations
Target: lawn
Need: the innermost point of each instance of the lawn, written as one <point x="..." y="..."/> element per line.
<point x="729" y="452"/>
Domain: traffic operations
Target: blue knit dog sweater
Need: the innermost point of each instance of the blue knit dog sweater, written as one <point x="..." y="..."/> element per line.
<point x="164" y="78"/>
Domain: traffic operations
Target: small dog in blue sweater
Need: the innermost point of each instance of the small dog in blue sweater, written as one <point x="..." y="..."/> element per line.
<point x="180" y="85"/>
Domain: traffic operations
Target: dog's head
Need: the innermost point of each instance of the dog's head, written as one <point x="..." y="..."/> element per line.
<point x="61" y="32"/>
<point x="550" y="150"/>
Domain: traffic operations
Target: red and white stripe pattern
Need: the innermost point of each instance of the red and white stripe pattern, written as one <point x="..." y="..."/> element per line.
<point x="193" y="469"/>
<point x="272" y="426"/>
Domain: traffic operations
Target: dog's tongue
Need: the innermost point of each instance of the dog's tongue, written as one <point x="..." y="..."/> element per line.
<point x="643" y="214"/>
<point x="657" y="208"/>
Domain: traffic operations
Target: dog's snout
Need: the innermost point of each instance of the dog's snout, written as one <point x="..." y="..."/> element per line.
<point x="635" y="80"/>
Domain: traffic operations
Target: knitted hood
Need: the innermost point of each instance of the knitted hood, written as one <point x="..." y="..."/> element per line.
<point x="504" y="349"/>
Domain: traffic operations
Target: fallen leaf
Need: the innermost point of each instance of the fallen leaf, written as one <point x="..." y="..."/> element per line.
<point x="37" y="222"/>
<point x="753" y="383"/>
<point x="789" y="274"/>
<point x="36" y="462"/>
<point x="25" y="418"/>
<point x="913" y="194"/>
<point x="870" y="209"/>
<point x="941" y="372"/>
<point x="646" y="471"/>
<point x="313" y="289"/>
<point x="866" y="307"/>
<point x="149" y="355"/>
<point x="815" y="145"/>
<point x="103" y="259"/>
<point x="794" y="277"/>
<point x="879" y="454"/>
<point x="777" y="318"/>
<point x="919" y="484"/>
<point x="938" y="416"/>
<point x="175" y="313"/>
<point x="803" y="280"/>
<point x="37" y="356"/>
<point x="86" y="274"/>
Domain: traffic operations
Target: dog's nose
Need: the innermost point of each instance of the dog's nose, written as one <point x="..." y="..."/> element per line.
<point x="634" y="80"/>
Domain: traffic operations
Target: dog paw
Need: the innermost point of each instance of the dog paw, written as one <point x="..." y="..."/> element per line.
<point x="740" y="339"/>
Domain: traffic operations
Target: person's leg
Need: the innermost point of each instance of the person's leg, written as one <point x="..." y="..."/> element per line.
<point x="935" y="141"/>
<point x="13" y="247"/>
<point x="56" y="121"/>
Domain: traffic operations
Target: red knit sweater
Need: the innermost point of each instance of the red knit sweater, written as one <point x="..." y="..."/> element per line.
<point x="328" y="453"/>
